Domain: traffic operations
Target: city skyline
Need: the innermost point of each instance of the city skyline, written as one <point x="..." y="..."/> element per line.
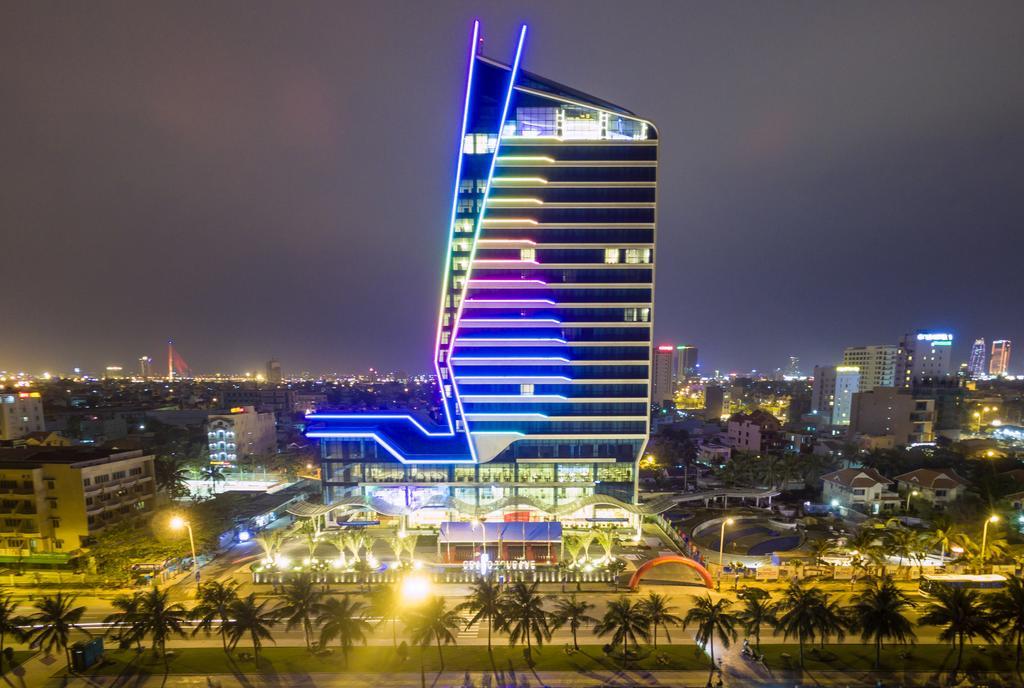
<point x="235" y="178"/>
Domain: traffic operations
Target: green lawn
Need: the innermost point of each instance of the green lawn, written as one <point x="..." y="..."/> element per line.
<point x="855" y="657"/>
<point x="284" y="660"/>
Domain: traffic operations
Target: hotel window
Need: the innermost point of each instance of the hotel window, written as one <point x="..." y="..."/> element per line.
<point x="465" y="474"/>
<point x="462" y="245"/>
<point x="466" y="186"/>
<point x="463" y="226"/>
<point x="459" y="282"/>
<point x="481" y="185"/>
<point x="611" y="255"/>
<point x="526" y="390"/>
<point x="638" y="314"/>
<point x="445" y="337"/>
<point x="635" y="256"/>
<point x="502" y="473"/>
<point x="615" y="473"/>
<point x="527" y="254"/>
<point x="536" y="474"/>
<point x="575" y="473"/>
<point x="466" y="205"/>
<point x="460" y="264"/>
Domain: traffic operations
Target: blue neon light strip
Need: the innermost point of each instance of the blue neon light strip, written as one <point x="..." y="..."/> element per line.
<point x="377" y="438"/>
<point x="375" y="416"/>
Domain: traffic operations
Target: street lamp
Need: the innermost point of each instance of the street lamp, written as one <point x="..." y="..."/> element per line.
<point x="984" y="535"/>
<point x="721" y="550"/>
<point x="912" y="493"/>
<point x="178" y="523"/>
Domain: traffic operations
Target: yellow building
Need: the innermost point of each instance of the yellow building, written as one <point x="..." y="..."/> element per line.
<point x="53" y="499"/>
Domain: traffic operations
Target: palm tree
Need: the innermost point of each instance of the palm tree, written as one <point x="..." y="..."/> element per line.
<point x="124" y="619"/>
<point x="756" y="612"/>
<point x="485" y="602"/>
<point x="713" y="619"/>
<point x="214" y="602"/>
<point x="299" y="601"/>
<point x="246" y="616"/>
<point x="798" y="613"/>
<point x="626" y="621"/>
<point x="946" y="536"/>
<point x="386" y="603"/>
<point x="832" y="620"/>
<point x="900" y="541"/>
<point x="342" y="619"/>
<point x="573" y="545"/>
<point x="356" y="541"/>
<point x="524" y="618"/>
<point x="1007" y="611"/>
<point x="434" y="622"/>
<point x="10" y="623"/>
<point x="660" y="613"/>
<point x="961" y="614"/>
<point x="397" y="545"/>
<point x="171" y="476"/>
<point x="572" y="613"/>
<point x="53" y="622"/>
<point x="159" y="618"/>
<point x="879" y="613"/>
<point x="214" y="474"/>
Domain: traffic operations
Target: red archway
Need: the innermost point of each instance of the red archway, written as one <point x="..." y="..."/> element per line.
<point x="634" y="581"/>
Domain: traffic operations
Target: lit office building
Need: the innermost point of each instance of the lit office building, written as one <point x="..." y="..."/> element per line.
<point x="976" y="363"/>
<point x="663" y="374"/>
<point x="999" y="361"/>
<point x="543" y="346"/>
<point x="923" y="358"/>
<point x="832" y="392"/>
<point x="877" y="364"/>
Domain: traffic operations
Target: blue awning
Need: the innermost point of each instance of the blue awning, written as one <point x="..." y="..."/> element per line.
<point x="511" y="531"/>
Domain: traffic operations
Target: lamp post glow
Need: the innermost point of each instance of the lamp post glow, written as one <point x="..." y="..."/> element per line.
<point x="912" y="493"/>
<point x="721" y="551"/>
<point x="177" y="523"/>
<point x="984" y="535"/>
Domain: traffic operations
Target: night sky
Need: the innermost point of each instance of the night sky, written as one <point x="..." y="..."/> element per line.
<point x="259" y="179"/>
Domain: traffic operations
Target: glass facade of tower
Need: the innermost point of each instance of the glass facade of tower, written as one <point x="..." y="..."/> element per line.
<point x="543" y="347"/>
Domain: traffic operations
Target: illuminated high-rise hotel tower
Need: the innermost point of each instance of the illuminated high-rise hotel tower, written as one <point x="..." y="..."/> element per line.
<point x="543" y="344"/>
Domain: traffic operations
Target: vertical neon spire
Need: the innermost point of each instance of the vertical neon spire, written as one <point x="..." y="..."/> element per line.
<point x="476" y="235"/>
<point x="451" y="227"/>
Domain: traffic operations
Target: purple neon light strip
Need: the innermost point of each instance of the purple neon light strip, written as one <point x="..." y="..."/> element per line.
<point x="546" y="301"/>
<point x="485" y="280"/>
<point x="377" y="438"/>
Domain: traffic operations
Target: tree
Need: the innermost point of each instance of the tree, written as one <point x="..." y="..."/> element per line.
<point x="798" y="613"/>
<point x="879" y="613"/>
<point x="756" y="612"/>
<point x="213" y="474"/>
<point x="1007" y="612"/>
<point x="342" y="619"/>
<point x="171" y="476"/>
<point x="271" y="542"/>
<point x="572" y="613"/>
<point x="626" y="621"/>
<point x="606" y="540"/>
<point x="10" y="623"/>
<point x="713" y="620"/>
<point x="485" y="602"/>
<point x="124" y="619"/>
<point x="214" y="601"/>
<point x="961" y="614"/>
<point x="53" y="622"/>
<point x="386" y="603"/>
<point x="660" y="613"/>
<point x="298" y="604"/>
<point x="523" y="617"/>
<point x="831" y="620"/>
<point x="434" y="622"/>
<point x="159" y="619"/>
<point x="947" y="537"/>
<point x="252" y="618"/>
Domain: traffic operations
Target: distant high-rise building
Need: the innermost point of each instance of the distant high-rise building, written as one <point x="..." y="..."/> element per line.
<point x="976" y="363"/>
<point x="663" y="377"/>
<point x="686" y="362"/>
<point x="999" y="361"/>
<point x="877" y="364"/>
<point x="714" y="401"/>
<point x="847" y="384"/>
<point x="145" y="367"/>
<point x="273" y="371"/>
<point x="923" y="358"/>
<point x="793" y="369"/>
<point x="823" y="391"/>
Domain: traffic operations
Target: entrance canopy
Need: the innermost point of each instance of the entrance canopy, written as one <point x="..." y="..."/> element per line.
<point x="459" y="532"/>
